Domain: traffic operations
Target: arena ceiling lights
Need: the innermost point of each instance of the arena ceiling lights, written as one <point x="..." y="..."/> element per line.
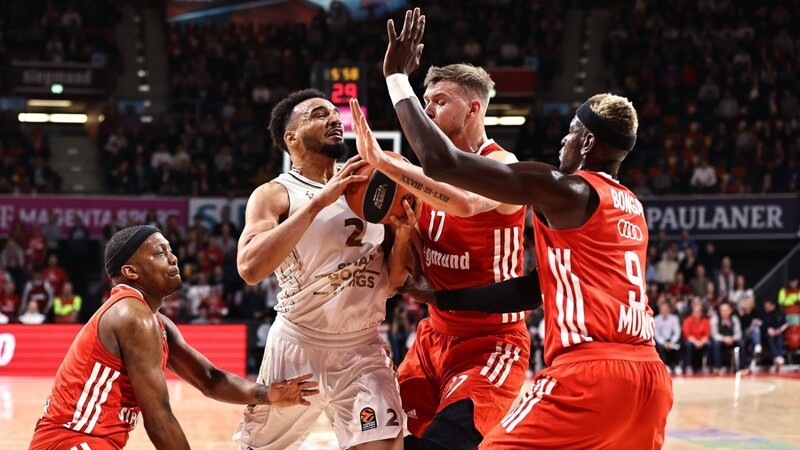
<point x="44" y="103"/>
<point x="504" y="121"/>
<point x="53" y="118"/>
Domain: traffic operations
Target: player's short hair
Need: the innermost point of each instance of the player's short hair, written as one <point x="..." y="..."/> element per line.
<point x="282" y="114"/>
<point x="618" y="112"/>
<point x="471" y="78"/>
<point x="118" y="240"/>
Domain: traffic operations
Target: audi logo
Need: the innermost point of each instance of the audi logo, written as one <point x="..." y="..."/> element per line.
<point x="629" y="230"/>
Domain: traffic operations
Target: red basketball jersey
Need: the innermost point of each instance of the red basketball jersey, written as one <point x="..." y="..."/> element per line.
<point x="472" y="251"/>
<point x="592" y="277"/>
<point x="92" y="393"/>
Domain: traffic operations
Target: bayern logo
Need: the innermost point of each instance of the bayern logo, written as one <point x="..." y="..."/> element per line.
<point x="629" y="230"/>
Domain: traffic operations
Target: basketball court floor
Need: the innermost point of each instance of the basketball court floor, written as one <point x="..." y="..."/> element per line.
<point x="711" y="412"/>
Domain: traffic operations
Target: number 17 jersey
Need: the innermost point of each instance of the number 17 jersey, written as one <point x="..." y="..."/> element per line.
<point x="592" y="277"/>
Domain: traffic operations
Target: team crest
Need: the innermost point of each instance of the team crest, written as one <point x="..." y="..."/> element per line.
<point x="368" y="420"/>
<point x="310" y="195"/>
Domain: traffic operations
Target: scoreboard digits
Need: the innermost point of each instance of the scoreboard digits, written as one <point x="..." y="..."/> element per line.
<point x="341" y="82"/>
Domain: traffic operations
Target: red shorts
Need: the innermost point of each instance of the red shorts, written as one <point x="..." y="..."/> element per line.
<point x="69" y="440"/>
<point x="610" y="403"/>
<point x="441" y="369"/>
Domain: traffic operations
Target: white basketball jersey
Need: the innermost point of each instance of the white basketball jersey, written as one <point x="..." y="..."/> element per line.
<point x="335" y="279"/>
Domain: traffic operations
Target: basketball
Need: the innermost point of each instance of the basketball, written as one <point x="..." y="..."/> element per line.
<point x="379" y="197"/>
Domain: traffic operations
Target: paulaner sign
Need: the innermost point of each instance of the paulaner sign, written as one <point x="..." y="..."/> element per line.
<point x="725" y="217"/>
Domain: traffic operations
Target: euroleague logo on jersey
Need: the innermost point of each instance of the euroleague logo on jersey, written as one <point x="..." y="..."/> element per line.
<point x="629" y="230"/>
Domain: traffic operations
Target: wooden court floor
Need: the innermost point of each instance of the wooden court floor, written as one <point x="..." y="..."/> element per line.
<point x="710" y="412"/>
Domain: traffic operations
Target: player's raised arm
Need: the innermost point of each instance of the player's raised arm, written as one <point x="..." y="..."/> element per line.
<point x="224" y="386"/>
<point x="441" y="196"/>
<point x="268" y="236"/>
<point x="540" y="185"/>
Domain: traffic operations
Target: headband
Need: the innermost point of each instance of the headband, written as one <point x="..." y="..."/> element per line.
<point x="602" y="130"/>
<point x="124" y="253"/>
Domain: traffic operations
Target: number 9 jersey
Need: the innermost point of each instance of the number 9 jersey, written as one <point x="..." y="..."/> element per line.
<point x="592" y="277"/>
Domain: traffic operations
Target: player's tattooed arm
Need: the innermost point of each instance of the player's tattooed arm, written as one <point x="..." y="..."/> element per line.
<point x="424" y="188"/>
<point x="440" y="196"/>
<point x="486" y="205"/>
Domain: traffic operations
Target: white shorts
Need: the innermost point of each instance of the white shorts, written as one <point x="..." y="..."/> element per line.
<point x="358" y="390"/>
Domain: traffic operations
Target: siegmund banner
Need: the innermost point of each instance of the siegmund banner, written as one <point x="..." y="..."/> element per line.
<point x="725" y="216"/>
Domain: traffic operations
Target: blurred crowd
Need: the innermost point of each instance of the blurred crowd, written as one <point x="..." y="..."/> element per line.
<point x="224" y="81"/>
<point x="25" y="160"/>
<point x="716" y="84"/>
<point x="708" y="319"/>
<point x="47" y="31"/>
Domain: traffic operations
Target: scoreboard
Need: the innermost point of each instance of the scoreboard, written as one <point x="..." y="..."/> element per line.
<point x="340" y="83"/>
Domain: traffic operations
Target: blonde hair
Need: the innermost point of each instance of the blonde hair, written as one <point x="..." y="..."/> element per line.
<point x="618" y="112"/>
<point x="472" y="79"/>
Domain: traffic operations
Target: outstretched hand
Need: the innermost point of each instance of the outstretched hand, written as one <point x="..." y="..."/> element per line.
<point x="367" y="145"/>
<point x="292" y="391"/>
<point x="404" y="51"/>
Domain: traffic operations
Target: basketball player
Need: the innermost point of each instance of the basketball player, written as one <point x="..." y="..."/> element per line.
<point x="465" y="369"/>
<point x="334" y="277"/>
<point x="114" y="370"/>
<point x="605" y="386"/>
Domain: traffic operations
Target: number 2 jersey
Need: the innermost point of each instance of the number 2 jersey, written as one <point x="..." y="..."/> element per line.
<point x="335" y="279"/>
<point x="592" y="277"/>
<point x="461" y="252"/>
<point x="92" y="393"/>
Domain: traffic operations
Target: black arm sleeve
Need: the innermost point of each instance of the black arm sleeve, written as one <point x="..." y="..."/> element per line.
<point x="516" y="294"/>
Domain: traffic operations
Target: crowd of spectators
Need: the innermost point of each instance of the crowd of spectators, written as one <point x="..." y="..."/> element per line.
<point x="716" y="83"/>
<point x="225" y="79"/>
<point x="47" y="276"/>
<point x="51" y="31"/>
<point x="46" y="31"/>
<point x="35" y="284"/>
<point x="25" y="160"/>
<point x="707" y="317"/>
<point x="706" y="310"/>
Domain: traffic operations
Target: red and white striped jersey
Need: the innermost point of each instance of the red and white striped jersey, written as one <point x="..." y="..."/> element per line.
<point x="92" y="393"/>
<point x="592" y="277"/>
<point x="461" y="252"/>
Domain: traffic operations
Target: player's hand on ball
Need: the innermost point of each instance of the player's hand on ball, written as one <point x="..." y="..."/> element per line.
<point x="404" y="227"/>
<point x="404" y="51"/>
<point x="335" y="187"/>
<point x="292" y="391"/>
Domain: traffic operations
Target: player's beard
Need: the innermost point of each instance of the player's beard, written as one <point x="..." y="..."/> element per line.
<point x="451" y="130"/>
<point x="334" y="151"/>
